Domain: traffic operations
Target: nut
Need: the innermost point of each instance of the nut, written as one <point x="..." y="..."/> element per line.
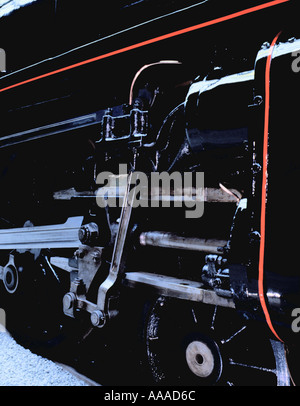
<point x="88" y="233"/>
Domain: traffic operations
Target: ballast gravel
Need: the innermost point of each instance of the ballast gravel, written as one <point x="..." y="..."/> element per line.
<point x="20" y="367"/>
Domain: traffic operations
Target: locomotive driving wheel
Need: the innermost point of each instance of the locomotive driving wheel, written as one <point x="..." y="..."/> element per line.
<point x="196" y="344"/>
<point x="26" y="294"/>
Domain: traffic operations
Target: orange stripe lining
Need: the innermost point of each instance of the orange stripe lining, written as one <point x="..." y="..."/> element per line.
<point x="264" y="193"/>
<point x="148" y="42"/>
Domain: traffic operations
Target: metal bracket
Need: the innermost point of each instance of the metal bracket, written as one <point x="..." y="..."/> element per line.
<point x="89" y="261"/>
<point x="76" y="299"/>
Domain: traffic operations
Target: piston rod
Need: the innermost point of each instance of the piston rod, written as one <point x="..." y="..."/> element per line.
<point x="169" y="240"/>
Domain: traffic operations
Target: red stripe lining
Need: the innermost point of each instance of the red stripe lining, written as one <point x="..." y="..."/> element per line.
<point x="148" y="42"/>
<point x="264" y="193"/>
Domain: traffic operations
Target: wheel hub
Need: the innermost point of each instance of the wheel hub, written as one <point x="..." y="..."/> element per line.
<point x="10" y="278"/>
<point x="200" y="359"/>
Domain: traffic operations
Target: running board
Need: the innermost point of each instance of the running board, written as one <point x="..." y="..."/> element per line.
<point x="53" y="236"/>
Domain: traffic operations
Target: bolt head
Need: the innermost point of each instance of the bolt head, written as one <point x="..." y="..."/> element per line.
<point x="97" y="318"/>
<point x="82" y="234"/>
<point x="266" y="45"/>
<point x="88" y="233"/>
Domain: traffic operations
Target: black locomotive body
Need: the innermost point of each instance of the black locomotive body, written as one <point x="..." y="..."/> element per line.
<point x="90" y="115"/>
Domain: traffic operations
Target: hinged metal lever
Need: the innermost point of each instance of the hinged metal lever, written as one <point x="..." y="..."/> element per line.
<point x="102" y="299"/>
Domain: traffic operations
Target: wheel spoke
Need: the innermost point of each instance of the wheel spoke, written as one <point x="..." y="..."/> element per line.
<point x="231" y="362"/>
<point x="223" y="341"/>
<point x="213" y="318"/>
<point x="194" y="316"/>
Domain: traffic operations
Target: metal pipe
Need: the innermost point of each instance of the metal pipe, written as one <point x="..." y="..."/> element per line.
<point x="169" y="240"/>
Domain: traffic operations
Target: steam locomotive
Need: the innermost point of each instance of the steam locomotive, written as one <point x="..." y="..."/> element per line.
<point x="160" y="87"/>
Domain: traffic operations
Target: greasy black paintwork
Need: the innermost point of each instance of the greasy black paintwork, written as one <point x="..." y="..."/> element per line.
<point x="105" y="83"/>
<point x="62" y="25"/>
